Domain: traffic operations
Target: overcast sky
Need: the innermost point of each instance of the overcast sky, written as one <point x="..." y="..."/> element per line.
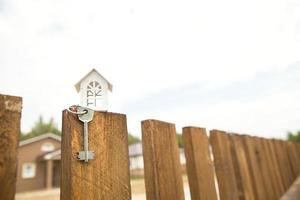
<point x="232" y="65"/>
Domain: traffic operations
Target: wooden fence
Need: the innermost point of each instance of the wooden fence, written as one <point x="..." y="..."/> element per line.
<point x="253" y="168"/>
<point x="222" y="165"/>
<point x="249" y="168"/>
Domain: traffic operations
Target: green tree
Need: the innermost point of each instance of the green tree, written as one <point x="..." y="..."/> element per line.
<point x="41" y="127"/>
<point x="180" y="140"/>
<point x="294" y="136"/>
<point x="132" y="139"/>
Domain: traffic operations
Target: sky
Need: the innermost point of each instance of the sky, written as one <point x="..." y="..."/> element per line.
<point x="231" y="65"/>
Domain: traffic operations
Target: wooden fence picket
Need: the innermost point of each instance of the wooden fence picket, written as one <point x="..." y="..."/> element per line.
<point x="261" y="160"/>
<point x="10" y="116"/>
<point x="293" y="158"/>
<point x="242" y="168"/>
<point x="163" y="178"/>
<point x="107" y="175"/>
<point x="256" y="174"/>
<point x="275" y="165"/>
<point x="199" y="165"/>
<point x="223" y="160"/>
<point x="272" y="175"/>
<point x="286" y="159"/>
<point x="284" y="168"/>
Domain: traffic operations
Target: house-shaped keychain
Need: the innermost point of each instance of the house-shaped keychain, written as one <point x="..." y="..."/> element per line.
<point x="93" y="89"/>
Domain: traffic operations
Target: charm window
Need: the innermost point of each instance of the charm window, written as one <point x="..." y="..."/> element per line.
<point x="93" y="93"/>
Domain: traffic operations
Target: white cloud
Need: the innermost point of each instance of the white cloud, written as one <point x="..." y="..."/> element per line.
<point x="265" y="105"/>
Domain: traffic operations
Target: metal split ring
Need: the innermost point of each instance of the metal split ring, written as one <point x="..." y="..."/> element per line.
<point x="74" y="107"/>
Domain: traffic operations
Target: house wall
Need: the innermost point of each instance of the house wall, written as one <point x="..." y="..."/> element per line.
<point x="29" y="153"/>
<point x="56" y="173"/>
<point x="136" y="162"/>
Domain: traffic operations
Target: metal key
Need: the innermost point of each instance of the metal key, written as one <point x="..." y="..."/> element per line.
<point x="85" y="155"/>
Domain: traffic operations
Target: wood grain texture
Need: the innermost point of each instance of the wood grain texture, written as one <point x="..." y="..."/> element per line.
<point x="242" y="169"/>
<point x="271" y="170"/>
<point x="107" y="176"/>
<point x="223" y="160"/>
<point x="283" y="164"/>
<point x="261" y="159"/>
<point x="255" y="171"/>
<point x="294" y="158"/>
<point x="163" y="179"/>
<point x="10" y="116"/>
<point x="199" y="165"/>
<point x="285" y="159"/>
<point x="275" y="166"/>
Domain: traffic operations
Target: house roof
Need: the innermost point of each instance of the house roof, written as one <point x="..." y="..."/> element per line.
<point x="54" y="155"/>
<point x="40" y="137"/>
<point x="77" y="85"/>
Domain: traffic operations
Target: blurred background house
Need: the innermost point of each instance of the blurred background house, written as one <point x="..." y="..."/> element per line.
<point x="39" y="163"/>
<point x="136" y="159"/>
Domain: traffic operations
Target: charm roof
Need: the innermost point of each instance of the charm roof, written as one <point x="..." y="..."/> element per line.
<point x="77" y="85"/>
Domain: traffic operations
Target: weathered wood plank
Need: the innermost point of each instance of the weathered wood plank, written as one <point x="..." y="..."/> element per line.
<point x="286" y="160"/>
<point x="242" y="169"/>
<point x="105" y="177"/>
<point x="199" y="164"/>
<point x="271" y="173"/>
<point x="162" y="168"/>
<point x="294" y="158"/>
<point x="224" y="167"/>
<point x="261" y="159"/>
<point x="275" y="166"/>
<point x="283" y="164"/>
<point x="10" y="116"/>
<point x="255" y="172"/>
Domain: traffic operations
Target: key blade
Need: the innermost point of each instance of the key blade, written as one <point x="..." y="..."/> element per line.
<point x="81" y="155"/>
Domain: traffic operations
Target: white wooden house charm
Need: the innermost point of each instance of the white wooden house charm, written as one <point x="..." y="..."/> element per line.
<point x="93" y="89"/>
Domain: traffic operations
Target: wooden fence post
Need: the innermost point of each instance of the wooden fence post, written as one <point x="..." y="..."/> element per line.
<point x="163" y="178"/>
<point x="107" y="175"/>
<point x="242" y="168"/>
<point x="261" y="160"/>
<point x="272" y="175"/>
<point x="10" y="115"/>
<point x="199" y="165"/>
<point x="223" y="160"/>
<point x="279" y="185"/>
<point x="293" y="158"/>
<point x="283" y="163"/>
<point x="257" y="178"/>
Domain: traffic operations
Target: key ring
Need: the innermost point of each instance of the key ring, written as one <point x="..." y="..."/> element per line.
<point x="74" y="107"/>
